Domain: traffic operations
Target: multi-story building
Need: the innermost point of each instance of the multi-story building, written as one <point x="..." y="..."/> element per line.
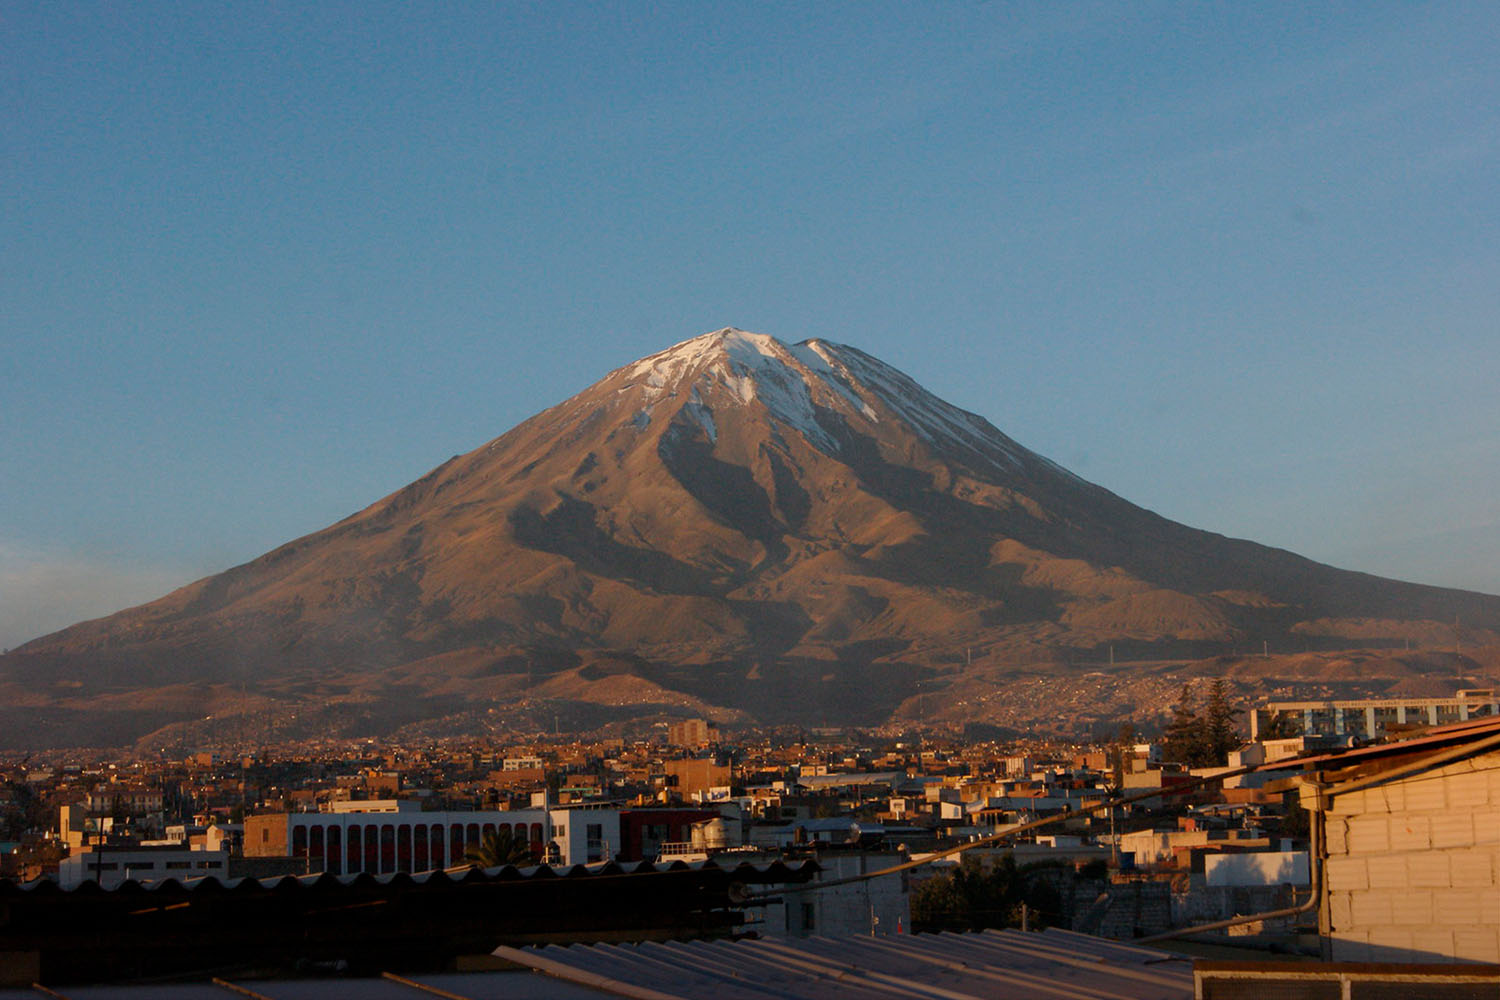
<point x="395" y="836"/>
<point x="692" y="733"/>
<point x="1370" y="718"/>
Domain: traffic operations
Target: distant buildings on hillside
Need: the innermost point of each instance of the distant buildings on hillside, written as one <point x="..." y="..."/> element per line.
<point x="1369" y="718"/>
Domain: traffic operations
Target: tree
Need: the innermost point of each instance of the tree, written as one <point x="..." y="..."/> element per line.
<point x="1221" y="731"/>
<point x="973" y="898"/>
<point x="498" y="847"/>
<point x="1185" y="740"/>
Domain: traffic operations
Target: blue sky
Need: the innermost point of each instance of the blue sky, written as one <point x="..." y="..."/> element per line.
<point x="262" y="264"/>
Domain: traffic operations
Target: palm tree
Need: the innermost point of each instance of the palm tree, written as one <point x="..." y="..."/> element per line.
<point x="499" y="847"/>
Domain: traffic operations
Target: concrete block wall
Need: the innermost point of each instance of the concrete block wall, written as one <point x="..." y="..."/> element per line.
<point x="1412" y="866"/>
<point x="1125" y="910"/>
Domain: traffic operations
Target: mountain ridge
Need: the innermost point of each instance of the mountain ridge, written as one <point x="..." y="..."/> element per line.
<point x="733" y="525"/>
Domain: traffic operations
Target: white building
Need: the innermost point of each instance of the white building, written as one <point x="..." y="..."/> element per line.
<point x="405" y="839"/>
<point x="114" y="866"/>
<point x="877" y="906"/>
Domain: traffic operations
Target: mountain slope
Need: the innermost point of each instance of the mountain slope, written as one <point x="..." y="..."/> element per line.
<point x="733" y="525"/>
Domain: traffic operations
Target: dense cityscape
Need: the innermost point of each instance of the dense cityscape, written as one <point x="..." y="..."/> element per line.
<point x="1199" y="835"/>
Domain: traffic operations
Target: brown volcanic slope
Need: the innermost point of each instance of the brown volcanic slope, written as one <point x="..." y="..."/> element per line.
<point x="733" y="526"/>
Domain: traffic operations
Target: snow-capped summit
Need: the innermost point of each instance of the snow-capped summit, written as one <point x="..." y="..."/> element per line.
<point x="797" y="382"/>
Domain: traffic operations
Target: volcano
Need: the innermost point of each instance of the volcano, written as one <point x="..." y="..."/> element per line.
<point x="735" y="527"/>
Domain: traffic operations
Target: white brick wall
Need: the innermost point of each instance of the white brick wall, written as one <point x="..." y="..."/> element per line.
<point x="1412" y="866"/>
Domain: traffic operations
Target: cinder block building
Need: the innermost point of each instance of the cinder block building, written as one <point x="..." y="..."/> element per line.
<point x="1412" y="844"/>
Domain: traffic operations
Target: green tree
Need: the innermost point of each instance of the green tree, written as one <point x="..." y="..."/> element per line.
<point x="1186" y="740"/>
<point x="973" y="897"/>
<point x="1221" y="730"/>
<point x="498" y="847"/>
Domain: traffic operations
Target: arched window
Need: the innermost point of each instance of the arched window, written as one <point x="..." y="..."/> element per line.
<point x="356" y="851"/>
<point x="299" y="841"/>
<point x="456" y="844"/>
<point x="372" y="848"/>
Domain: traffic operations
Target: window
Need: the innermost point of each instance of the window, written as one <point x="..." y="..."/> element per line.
<point x="809" y="917"/>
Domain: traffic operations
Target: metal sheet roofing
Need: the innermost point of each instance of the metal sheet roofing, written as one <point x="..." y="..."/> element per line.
<point x="995" y="965"/>
<point x="765" y="871"/>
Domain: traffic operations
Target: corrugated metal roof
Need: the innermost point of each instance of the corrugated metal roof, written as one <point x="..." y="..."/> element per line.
<point x="994" y="964"/>
<point x="470" y="986"/>
<point x="766" y="871"/>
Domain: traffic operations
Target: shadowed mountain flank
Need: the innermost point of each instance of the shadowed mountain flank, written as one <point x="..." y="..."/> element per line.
<point x="734" y="526"/>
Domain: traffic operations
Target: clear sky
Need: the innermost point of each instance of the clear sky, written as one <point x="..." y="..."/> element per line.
<point x="261" y="264"/>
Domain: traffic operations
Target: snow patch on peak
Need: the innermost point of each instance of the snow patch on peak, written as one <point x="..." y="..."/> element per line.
<point x="815" y="355"/>
<point x="761" y="369"/>
<point x="798" y="383"/>
<point x="667" y="367"/>
<point x="702" y="415"/>
<point x="790" y="382"/>
<point x="934" y="419"/>
<point x="794" y="382"/>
